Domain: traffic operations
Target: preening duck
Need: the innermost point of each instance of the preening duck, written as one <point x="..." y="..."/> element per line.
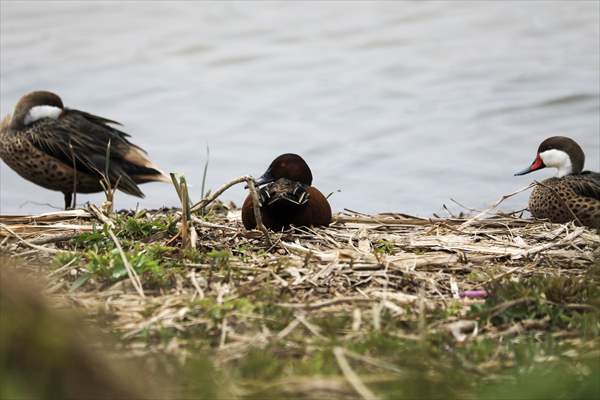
<point x="66" y="149"/>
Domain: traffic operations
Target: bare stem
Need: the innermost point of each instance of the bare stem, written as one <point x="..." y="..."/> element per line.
<point x="133" y="276"/>
<point x="204" y="174"/>
<point x="255" y="203"/>
<point x="74" y="202"/>
<point x="351" y="376"/>
<point x="477" y="217"/>
<point x="107" y="206"/>
<point x="256" y="209"/>
<point x="32" y="245"/>
<point x="206" y="201"/>
<point x="188" y="233"/>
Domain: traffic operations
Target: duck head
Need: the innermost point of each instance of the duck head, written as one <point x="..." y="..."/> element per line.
<point x="558" y="152"/>
<point x="290" y="166"/>
<point x="35" y="106"/>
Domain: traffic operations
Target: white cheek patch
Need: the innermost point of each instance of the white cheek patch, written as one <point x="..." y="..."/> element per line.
<point x="557" y="159"/>
<point x="38" y="112"/>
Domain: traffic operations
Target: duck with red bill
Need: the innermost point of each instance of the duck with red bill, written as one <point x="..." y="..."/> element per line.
<point x="572" y="195"/>
<point x="535" y="165"/>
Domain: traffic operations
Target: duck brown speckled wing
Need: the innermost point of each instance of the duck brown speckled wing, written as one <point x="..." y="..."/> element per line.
<point x="85" y="137"/>
<point x="586" y="184"/>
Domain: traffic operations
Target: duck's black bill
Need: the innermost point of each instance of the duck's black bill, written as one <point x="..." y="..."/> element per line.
<point x="264" y="179"/>
<point x="524" y="172"/>
<point x="537" y="164"/>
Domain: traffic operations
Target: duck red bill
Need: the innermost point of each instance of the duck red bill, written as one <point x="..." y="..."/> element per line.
<point x="537" y="164"/>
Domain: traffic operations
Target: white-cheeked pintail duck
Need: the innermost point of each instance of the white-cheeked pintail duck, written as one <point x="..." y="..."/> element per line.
<point x="574" y="194"/>
<point x="65" y="149"/>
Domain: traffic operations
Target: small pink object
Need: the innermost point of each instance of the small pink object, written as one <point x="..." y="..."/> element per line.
<point x="474" y="294"/>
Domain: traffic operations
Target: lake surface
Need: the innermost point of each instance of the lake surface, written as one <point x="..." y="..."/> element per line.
<point x="399" y="106"/>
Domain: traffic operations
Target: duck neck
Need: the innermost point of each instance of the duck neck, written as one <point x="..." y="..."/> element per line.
<point x="565" y="170"/>
<point x="558" y="159"/>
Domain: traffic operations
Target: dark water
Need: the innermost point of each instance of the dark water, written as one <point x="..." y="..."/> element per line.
<point x="401" y="106"/>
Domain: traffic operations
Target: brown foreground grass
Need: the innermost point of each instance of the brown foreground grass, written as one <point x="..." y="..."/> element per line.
<point x="373" y="306"/>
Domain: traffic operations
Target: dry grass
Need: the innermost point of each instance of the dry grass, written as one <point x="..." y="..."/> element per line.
<point x="232" y="292"/>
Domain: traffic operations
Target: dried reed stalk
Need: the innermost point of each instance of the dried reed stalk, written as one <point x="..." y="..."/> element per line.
<point x="255" y="203"/>
<point x="133" y="276"/>
<point x="493" y="206"/>
<point x="186" y="230"/>
<point x="351" y="376"/>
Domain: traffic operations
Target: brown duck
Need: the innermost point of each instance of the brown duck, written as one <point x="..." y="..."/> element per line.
<point x="64" y="149"/>
<point x="573" y="194"/>
<point x="287" y="197"/>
